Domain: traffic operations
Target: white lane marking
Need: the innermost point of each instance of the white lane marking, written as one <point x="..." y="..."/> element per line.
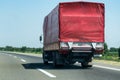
<point x="9" y="55"/>
<point x="104" y="67"/>
<point x="1" y="53"/>
<point x="47" y="73"/>
<point x="23" y="60"/>
<point x="15" y="56"/>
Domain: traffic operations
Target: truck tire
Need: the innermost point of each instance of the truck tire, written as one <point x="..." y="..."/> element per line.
<point x="54" y="59"/>
<point x="45" y="61"/>
<point x="57" y="60"/>
<point x="85" y="65"/>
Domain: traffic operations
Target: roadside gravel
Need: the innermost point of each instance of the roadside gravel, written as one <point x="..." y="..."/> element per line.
<point x="106" y="62"/>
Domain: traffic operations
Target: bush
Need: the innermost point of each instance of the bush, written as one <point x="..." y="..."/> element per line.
<point x="22" y="49"/>
<point x="119" y="53"/>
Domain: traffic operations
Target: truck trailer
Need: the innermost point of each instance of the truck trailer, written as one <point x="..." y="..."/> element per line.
<point x="73" y="32"/>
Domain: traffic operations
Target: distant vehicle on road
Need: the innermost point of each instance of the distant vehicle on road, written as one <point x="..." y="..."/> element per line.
<point x="73" y="32"/>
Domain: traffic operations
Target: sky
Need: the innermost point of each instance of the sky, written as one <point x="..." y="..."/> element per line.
<point x="21" y="21"/>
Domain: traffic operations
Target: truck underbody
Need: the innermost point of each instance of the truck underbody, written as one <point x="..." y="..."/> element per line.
<point x="70" y="58"/>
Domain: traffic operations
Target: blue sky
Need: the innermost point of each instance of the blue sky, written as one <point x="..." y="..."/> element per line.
<point x="21" y="21"/>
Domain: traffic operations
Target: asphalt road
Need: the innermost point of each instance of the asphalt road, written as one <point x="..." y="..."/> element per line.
<point x="24" y="67"/>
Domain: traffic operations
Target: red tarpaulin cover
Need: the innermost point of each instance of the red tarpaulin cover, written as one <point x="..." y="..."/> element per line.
<point x="75" y="22"/>
<point x="82" y="22"/>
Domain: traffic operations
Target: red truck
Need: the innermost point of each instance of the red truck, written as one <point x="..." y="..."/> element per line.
<point x="73" y="32"/>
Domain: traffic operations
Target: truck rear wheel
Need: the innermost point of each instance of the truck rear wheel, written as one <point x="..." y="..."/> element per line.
<point x="85" y="65"/>
<point x="45" y="61"/>
<point x="57" y="60"/>
<point x="54" y="60"/>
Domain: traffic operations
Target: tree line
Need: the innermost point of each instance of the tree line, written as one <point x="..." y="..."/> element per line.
<point x="21" y="49"/>
<point x="112" y="49"/>
<point x="111" y="53"/>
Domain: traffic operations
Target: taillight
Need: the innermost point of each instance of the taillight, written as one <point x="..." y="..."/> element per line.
<point x="64" y="48"/>
<point x="64" y="45"/>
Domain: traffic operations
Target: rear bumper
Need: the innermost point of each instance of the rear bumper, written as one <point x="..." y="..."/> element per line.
<point x="82" y="51"/>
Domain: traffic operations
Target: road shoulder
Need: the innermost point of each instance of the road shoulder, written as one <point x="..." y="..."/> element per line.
<point x="29" y="54"/>
<point x="114" y="64"/>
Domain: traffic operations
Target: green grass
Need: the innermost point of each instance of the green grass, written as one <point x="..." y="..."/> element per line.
<point x="111" y="56"/>
<point x="31" y="52"/>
